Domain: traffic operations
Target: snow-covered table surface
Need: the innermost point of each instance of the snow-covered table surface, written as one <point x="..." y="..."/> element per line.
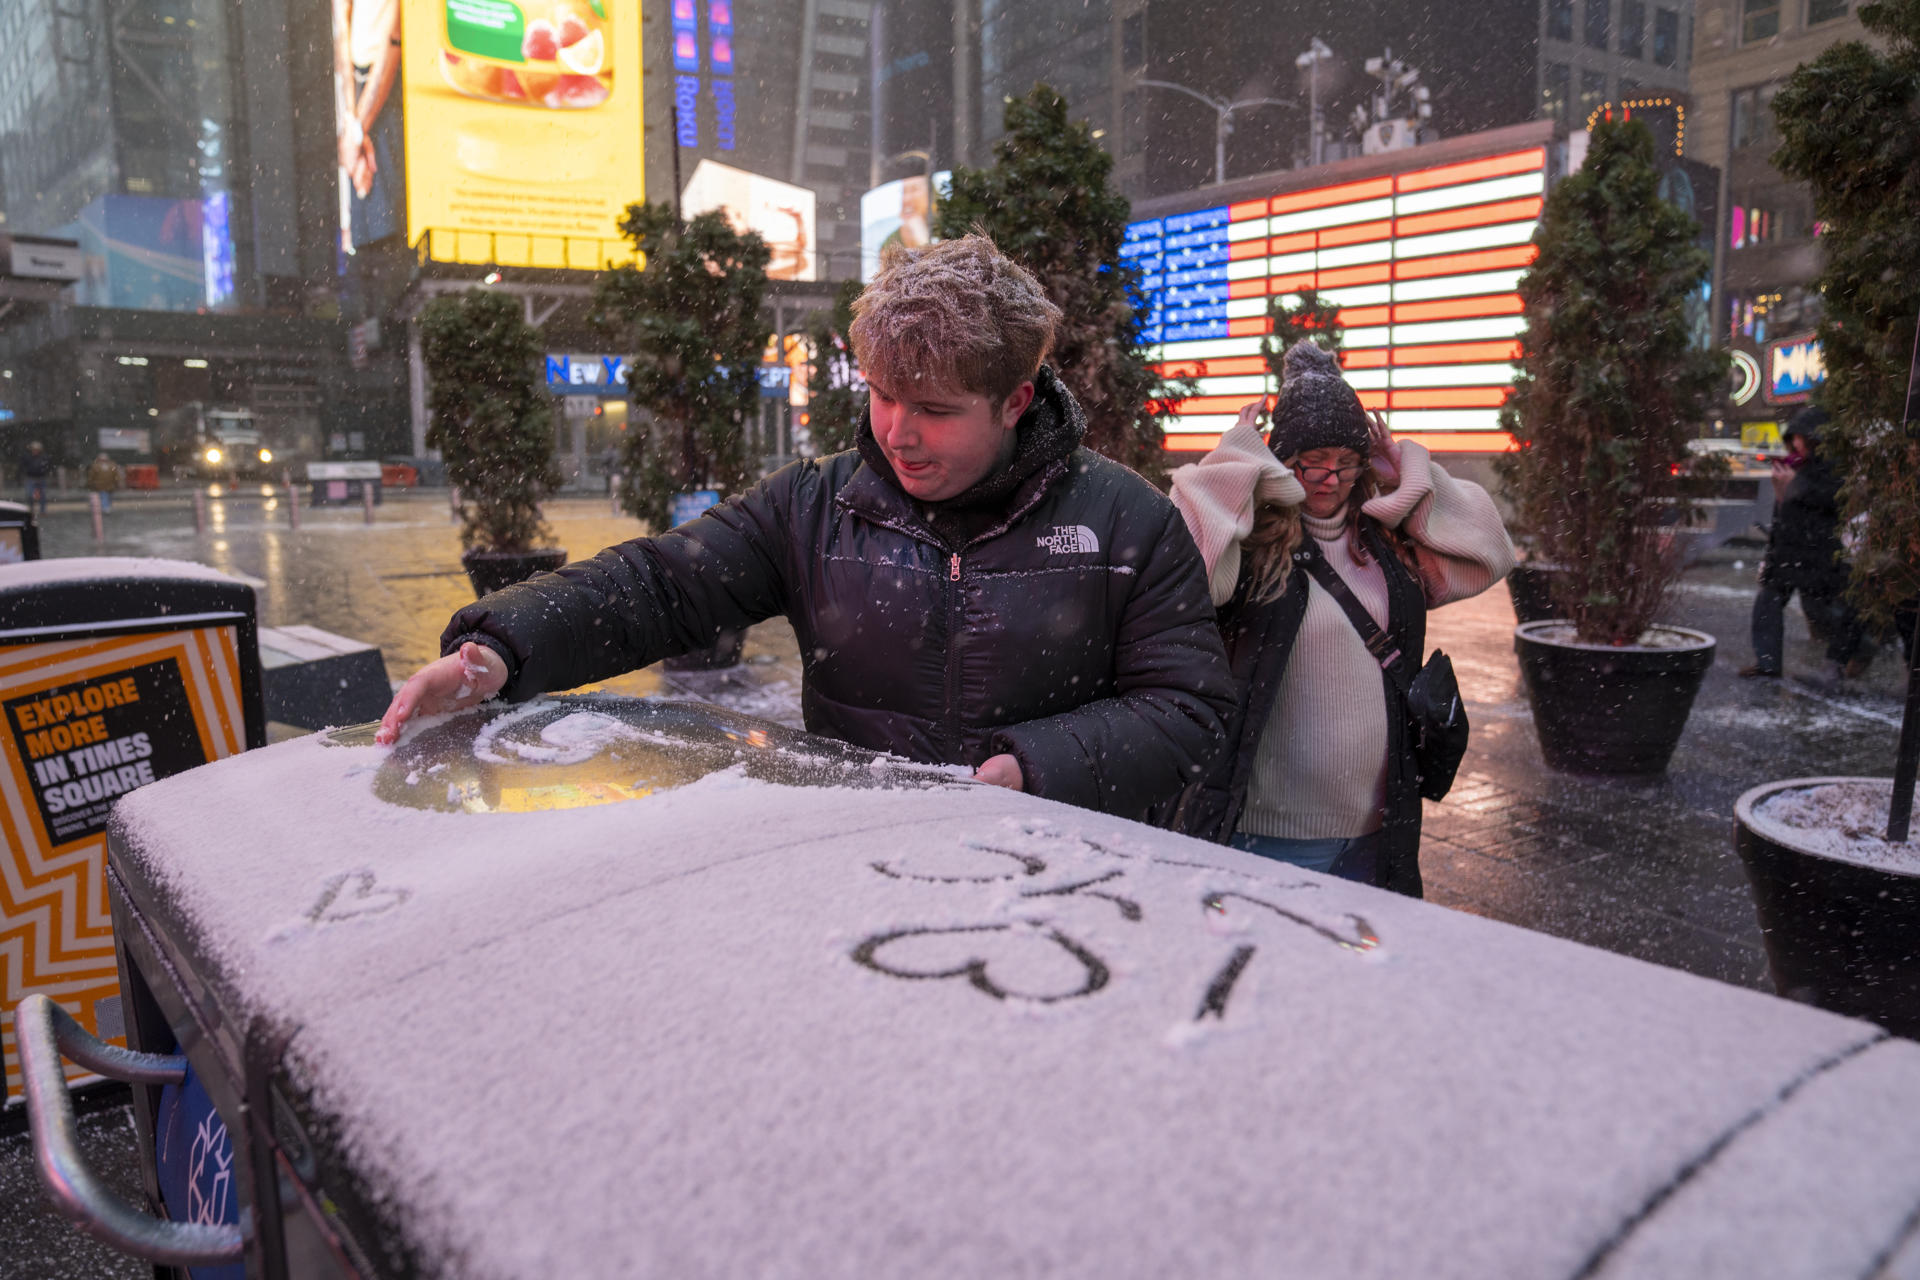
<point x="740" y="1028"/>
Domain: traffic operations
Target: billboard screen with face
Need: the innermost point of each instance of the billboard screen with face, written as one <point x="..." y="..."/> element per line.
<point x="782" y="213"/>
<point x="523" y="128"/>
<point x="899" y="212"/>
<point x="1423" y="263"/>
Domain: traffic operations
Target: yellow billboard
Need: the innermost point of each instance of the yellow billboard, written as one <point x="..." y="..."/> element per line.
<point x="523" y="129"/>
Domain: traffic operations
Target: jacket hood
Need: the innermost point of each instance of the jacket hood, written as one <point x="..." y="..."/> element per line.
<point x="1807" y="424"/>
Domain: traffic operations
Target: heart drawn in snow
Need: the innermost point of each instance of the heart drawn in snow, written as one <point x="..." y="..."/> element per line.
<point x="365" y="898"/>
<point x="1002" y="961"/>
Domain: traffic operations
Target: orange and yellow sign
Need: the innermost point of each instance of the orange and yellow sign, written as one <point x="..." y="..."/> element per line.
<point x="87" y="721"/>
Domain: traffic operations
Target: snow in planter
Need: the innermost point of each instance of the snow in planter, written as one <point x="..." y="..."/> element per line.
<point x="1844" y="820"/>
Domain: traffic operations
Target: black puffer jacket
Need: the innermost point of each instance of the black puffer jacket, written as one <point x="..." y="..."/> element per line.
<point x="1803" y="546"/>
<point x="1067" y="623"/>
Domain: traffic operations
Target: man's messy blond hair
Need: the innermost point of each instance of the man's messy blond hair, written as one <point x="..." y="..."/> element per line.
<point x="954" y="315"/>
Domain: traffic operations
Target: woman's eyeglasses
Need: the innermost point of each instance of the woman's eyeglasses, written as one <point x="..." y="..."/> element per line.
<point x="1314" y="475"/>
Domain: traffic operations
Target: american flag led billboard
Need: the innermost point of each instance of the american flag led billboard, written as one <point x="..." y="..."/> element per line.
<point x="1423" y="265"/>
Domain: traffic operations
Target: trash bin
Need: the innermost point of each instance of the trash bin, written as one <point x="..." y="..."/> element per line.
<point x="594" y="986"/>
<point x="19" y="535"/>
<point x="114" y="673"/>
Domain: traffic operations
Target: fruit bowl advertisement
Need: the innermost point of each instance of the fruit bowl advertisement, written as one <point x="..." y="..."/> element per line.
<point x="537" y="55"/>
<point x="523" y="129"/>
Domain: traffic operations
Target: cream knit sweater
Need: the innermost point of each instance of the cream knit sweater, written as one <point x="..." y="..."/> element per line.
<point x="1321" y="767"/>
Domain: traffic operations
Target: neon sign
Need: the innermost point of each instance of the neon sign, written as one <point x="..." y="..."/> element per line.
<point x="1746" y="377"/>
<point x="1424" y="266"/>
<point x="1795" y="366"/>
<point x="693" y="59"/>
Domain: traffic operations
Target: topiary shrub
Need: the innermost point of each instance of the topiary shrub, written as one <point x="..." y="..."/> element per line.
<point x="492" y="419"/>
<point x="1611" y="388"/>
<point x="835" y="396"/>
<point x="692" y="325"/>
<point x="1047" y="204"/>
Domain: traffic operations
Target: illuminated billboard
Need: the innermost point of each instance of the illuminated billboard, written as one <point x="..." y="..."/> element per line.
<point x="367" y="141"/>
<point x="782" y="213"/>
<point x="703" y="68"/>
<point x="1423" y="264"/>
<point x="523" y="127"/>
<point x="899" y="212"/>
<point x="1795" y="366"/>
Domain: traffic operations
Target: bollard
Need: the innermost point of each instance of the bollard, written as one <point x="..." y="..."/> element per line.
<point x="293" y="505"/>
<point x="453" y="502"/>
<point x="199" y="510"/>
<point x="366" y="498"/>
<point x="613" y="492"/>
<point x="99" y="523"/>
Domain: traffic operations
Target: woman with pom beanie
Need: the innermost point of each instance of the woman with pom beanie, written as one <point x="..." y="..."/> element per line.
<point x="1318" y="769"/>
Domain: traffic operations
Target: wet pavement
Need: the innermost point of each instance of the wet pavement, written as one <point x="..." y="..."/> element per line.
<point x="1641" y="867"/>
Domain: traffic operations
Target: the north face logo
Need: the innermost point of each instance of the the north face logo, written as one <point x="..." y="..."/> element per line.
<point x="1069" y="540"/>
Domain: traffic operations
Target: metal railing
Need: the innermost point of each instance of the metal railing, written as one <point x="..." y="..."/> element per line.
<point x="45" y="1032"/>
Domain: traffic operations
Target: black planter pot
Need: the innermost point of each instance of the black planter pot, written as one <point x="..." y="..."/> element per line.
<point x="1531" y="586"/>
<point x="725" y="652"/>
<point x="489" y="571"/>
<point x="1606" y="710"/>
<point x="1838" y="934"/>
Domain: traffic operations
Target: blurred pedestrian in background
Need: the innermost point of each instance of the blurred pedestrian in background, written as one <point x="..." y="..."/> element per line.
<point x="1804" y="555"/>
<point x="104" y="477"/>
<point x="34" y="469"/>
<point x="1318" y="769"/>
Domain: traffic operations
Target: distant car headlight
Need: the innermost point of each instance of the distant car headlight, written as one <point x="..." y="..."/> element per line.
<point x="266" y="455"/>
<point x="213" y="457"/>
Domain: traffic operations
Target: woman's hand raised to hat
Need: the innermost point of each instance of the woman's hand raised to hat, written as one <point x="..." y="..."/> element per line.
<point x="1384" y="451"/>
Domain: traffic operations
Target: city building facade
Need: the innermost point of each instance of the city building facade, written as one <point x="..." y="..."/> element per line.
<point x="1766" y="251"/>
<point x="161" y="136"/>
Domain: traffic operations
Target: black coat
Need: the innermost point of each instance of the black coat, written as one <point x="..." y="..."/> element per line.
<point x="1260" y="637"/>
<point x="1069" y="626"/>
<point x="1803" y="546"/>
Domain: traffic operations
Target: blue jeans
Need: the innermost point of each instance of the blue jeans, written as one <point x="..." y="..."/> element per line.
<point x="1350" y="858"/>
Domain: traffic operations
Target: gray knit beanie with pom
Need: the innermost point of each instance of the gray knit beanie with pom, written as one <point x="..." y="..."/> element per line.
<point x="1317" y="409"/>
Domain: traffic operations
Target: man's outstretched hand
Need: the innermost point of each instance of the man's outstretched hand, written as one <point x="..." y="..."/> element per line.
<point x="456" y="681"/>
<point x="998" y="771"/>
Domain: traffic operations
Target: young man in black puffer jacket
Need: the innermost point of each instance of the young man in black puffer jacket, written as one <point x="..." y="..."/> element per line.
<point x="969" y="586"/>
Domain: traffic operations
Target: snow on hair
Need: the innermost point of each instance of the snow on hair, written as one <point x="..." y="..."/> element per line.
<point x="958" y="314"/>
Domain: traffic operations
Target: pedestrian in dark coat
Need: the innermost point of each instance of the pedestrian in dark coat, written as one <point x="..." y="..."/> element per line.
<point x="34" y="469"/>
<point x="1319" y="770"/>
<point x="969" y="586"/>
<point x="1804" y="555"/>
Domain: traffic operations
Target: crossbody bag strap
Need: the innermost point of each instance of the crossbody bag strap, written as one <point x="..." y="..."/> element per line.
<point x="1378" y="642"/>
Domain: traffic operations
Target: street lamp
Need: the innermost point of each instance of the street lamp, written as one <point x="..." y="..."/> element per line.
<point x="1310" y="61"/>
<point x="1223" y="117"/>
